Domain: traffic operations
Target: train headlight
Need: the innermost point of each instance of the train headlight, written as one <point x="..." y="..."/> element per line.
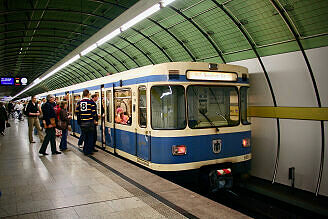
<point x="246" y="142"/>
<point x="179" y="149"/>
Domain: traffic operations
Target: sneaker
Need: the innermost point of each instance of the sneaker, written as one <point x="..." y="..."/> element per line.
<point x="43" y="153"/>
<point x="80" y="146"/>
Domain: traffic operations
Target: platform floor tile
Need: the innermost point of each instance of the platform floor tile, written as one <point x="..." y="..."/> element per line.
<point x="68" y="185"/>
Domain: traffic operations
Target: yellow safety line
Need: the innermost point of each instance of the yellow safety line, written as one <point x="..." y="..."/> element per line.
<point x="307" y="113"/>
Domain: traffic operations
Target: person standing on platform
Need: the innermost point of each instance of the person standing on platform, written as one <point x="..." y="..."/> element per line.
<point x="3" y="118"/>
<point x="40" y="118"/>
<point x="64" y="118"/>
<point x="10" y="109"/>
<point x="32" y="110"/>
<point x="87" y="115"/>
<point x="94" y="98"/>
<point x="19" y="109"/>
<point x="49" y="122"/>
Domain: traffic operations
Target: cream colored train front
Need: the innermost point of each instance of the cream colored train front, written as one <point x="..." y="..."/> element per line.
<point x="173" y="116"/>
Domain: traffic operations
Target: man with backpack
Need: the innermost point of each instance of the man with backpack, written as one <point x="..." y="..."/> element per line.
<point x="32" y="111"/>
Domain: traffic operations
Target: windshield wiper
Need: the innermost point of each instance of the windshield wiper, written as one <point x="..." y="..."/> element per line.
<point x="208" y="119"/>
<point x="221" y="116"/>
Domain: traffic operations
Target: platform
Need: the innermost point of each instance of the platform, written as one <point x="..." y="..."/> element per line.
<point x="71" y="185"/>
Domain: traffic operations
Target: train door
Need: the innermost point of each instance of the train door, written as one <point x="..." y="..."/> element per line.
<point x="108" y="120"/>
<point x="70" y="110"/>
<point x="75" y="127"/>
<point x="102" y="116"/>
<point x="98" y="127"/>
<point x="142" y="131"/>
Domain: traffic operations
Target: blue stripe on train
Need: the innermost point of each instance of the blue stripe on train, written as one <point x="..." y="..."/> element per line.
<point x="145" y="79"/>
<point x="199" y="148"/>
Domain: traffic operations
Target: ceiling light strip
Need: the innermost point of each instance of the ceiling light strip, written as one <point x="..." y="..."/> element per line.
<point x="148" y="12"/>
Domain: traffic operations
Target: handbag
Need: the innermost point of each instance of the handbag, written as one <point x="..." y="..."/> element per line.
<point x="62" y="125"/>
<point x="8" y="125"/>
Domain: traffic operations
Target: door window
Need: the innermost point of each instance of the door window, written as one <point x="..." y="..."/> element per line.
<point x="123" y="106"/>
<point x="109" y="101"/>
<point x="142" y="107"/>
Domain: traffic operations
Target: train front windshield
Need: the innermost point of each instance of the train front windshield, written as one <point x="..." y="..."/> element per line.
<point x="208" y="106"/>
<point x="212" y="106"/>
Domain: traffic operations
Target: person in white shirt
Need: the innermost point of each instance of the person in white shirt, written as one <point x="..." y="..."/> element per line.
<point x="19" y="109"/>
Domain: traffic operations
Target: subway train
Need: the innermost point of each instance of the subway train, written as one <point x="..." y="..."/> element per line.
<point x="175" y="116"/>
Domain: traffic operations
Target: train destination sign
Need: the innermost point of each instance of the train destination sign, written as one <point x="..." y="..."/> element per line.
<point x="10" y="81"/>
<point x="212" y="76"/>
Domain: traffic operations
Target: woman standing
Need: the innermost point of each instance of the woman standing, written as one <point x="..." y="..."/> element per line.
<point x="3" y="118"/>
<point x="64" y="118"/>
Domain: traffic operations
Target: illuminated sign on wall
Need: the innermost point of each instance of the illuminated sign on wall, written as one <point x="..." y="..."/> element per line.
<point x="18" y="81"/>
<point x="7" y="81"/>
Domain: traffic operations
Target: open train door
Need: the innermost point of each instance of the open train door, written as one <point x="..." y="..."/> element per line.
<point x="99" y="127"/>
<point x="143" y="134"/>
<point x="102" y="116"/>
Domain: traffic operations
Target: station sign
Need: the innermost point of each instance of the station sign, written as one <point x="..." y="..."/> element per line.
<point x="10" y="81"/>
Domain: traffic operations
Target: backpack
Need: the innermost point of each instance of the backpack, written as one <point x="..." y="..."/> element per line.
<point x="61" y="125"/>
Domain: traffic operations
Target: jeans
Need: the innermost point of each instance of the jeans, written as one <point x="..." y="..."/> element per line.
<point x="94" y="137"/>
<point x="88" y="141"/>
<point x="81" y="139"/>
<point x="50" y="136"/>
<point x="63" y="142"/>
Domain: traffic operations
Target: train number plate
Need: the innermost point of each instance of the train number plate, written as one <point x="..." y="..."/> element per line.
<point x="217" y="145"/>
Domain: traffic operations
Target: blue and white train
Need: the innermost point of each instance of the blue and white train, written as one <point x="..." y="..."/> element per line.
<point x="179" y="116"/>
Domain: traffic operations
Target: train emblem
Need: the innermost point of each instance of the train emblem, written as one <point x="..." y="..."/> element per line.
<point x="217" y="145"/>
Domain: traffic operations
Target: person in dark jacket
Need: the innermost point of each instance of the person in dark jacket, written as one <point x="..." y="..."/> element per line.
<point x="65" y="118"/>
<point x="49" y="121"/>
<point x="3" y="118"/>
<point x="33" y="112"/>
<point x="87" y="116"/>
<point x="10" y="109"/>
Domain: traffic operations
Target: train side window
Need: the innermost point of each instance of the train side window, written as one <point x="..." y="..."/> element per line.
<point x="245" y="119"/>
<point x="98" y="103"/>
<point x="109" y="106"/>
<point x="70" y="103"/>
<point x="142" y="107"/>
<point x="77" y="98"/>
<point x="123" y="106"/>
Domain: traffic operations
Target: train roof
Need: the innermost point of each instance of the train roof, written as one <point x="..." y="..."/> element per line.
<point x="178" y="68"/>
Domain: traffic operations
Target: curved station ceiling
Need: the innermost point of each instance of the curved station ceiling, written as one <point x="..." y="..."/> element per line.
<point x="36" y="35"/>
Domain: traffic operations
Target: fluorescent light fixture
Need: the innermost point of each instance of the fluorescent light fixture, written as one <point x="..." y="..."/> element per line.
<point x="36" y="81"/>
<point x="141" y="16"/>
<point x="70" y="61"/>
<point x="167" y="2"/>
<point x="89" y="49"/>
<point x="109" y="36"/>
